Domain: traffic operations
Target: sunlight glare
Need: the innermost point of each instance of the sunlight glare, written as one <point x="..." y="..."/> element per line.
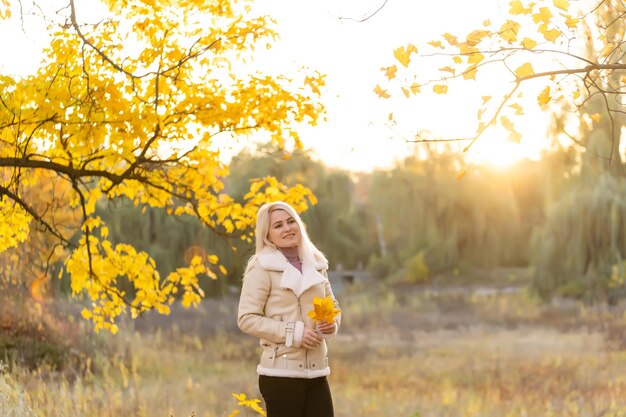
<point x="501" y="153"/>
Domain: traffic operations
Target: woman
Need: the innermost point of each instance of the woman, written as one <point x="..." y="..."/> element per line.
<point x="281" y="280"/>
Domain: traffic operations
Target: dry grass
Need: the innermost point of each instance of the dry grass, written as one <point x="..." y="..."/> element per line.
<point x="401" y="352"/>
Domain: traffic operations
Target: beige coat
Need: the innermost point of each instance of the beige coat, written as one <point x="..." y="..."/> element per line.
<point x="275" y="300"/>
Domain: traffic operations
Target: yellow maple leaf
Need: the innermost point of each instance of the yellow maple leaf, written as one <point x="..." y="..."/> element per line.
<point x="516" y="7"/>
<point x="509" y="30"/>
<point x="596" y="117"/>
<point x="451" y="39"/>
<point x="323" y="310"/>
<point x="576" y="94"/>
<point x="529" y="43"/>
<point x="544" y="15"/>
<point x="514" y="135"/>
<point x="475" y="58"/>
<point x="457" y="60"/>
<point x="436" y="44"/>
<point x="380" y="92"/>
<point x="415" y="88"/>
<point x="572" y="22"/>
<point x="476" y="36"/>
<point x="390" y="72"/>
<point x="448" y="69"/>
<point x="313" y="82"/>
<point x="561" y="4"/>
<point x="544" y="97"/>
<point x="403" y="54"/>
<point x="525" y="70"/>
<point x="519" y="111"/>
<point x="440" y="88"/>
<point x="550" y="34"/>
<point x="470" y="73"/>
<point x="486" y="99"/>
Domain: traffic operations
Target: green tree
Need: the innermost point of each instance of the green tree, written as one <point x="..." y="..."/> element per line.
<point x="423" y="207"/>
<point x="340" y="223"/>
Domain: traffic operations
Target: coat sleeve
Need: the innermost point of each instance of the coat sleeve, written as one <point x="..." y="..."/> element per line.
<point x="329" y="292"/>
<point x="251" y="314"/>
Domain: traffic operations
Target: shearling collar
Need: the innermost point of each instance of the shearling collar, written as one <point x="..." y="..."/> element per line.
<point x="273" y="260"/>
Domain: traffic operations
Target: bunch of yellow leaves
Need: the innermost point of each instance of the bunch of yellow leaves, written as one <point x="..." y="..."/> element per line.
<point x="324" y="310"/>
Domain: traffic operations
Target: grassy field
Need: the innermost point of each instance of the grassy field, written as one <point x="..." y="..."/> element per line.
<point x="402" y="351"/>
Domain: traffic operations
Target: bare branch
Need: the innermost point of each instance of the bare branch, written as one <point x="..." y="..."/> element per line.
<point x="367" y="17"/>
<point x="585" y="70"/>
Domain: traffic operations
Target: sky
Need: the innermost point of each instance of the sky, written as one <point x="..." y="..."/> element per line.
<point x="323" y="35"/>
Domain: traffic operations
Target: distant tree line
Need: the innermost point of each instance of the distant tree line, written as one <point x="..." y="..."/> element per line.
<point x="564" y="216"/>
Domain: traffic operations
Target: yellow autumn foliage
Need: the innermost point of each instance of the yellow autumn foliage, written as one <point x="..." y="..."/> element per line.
<point x="129" y="108"/>
<point x="324" y="310"/>
<point x="572" y="48"/>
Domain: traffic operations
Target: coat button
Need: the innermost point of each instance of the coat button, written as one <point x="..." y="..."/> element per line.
<point x="300" y="365"/>
<point x="313" y="365"/>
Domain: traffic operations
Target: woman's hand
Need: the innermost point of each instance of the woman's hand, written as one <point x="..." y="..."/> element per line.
<point x="310" y="339"/>
<point x="326" y="328"/>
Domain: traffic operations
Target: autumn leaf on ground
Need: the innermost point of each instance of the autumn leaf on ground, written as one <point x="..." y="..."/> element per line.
<point x="253" y="404"/>
<point x="323" y="310"/>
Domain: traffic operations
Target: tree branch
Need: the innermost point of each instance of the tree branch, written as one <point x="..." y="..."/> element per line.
<point x="34" y="214"/>
<point x="585" y="70"/>
<point x="367" y="17"/>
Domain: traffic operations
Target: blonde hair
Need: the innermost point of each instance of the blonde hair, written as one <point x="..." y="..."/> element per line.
<point x="306" y="249"/>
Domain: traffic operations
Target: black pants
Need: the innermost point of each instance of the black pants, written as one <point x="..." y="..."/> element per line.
<point x="296" y="397"/>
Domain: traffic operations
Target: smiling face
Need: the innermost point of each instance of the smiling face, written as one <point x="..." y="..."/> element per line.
<point x="284" y="231"/>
